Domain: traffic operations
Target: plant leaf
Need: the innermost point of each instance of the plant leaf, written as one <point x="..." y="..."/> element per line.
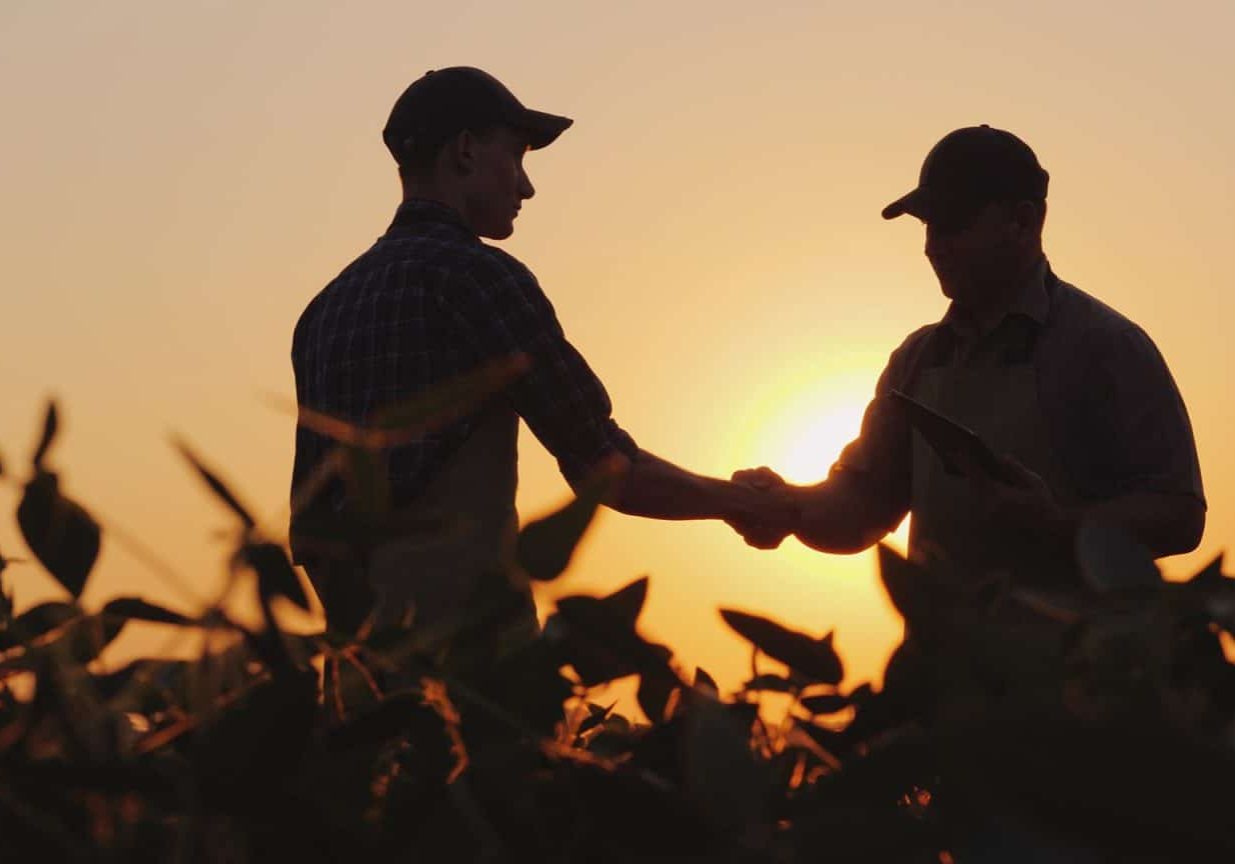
<point x="601" y="642"/>
<point x="36" y="621"/>
<point x="275" y="576"/>
<point x="51" y="422"/>
<point x="135" y="608"/>
<point x="60" y="533"/>
<point x="627" y="602"/>
<point x="814" y="659"/>
<point x="825" y="703"/>
<point x="1210" y="574"/>
<point x="705" y="681"/>
<point x="216" y="485"/>
<point x="772" y="683"/>
<point x="546" y="545"/>
<point x="906" y="585"/>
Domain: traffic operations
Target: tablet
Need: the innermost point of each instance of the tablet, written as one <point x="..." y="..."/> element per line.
<point x="956" y="444"/>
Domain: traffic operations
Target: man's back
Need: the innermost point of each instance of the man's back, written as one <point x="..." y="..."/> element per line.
<point x="427" y="303"/>
<point x="375" y="335"/>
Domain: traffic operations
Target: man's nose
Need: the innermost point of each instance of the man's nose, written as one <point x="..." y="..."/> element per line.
<point x="526" y="189"/>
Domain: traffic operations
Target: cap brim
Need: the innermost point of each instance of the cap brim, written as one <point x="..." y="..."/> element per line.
<point x="543" y="128"/>
<point x="914" y="203"/>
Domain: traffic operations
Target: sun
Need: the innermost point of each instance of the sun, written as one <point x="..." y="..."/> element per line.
<point x="806" y="436"/>
<point x="803" y="428"/>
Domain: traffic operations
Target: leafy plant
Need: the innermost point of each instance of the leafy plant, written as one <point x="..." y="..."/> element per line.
<point x="1104" y="722"/>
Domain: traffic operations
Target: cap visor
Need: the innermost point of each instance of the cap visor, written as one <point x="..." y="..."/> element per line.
<point x="543" y="128"/>
<point x="913" y="203"/>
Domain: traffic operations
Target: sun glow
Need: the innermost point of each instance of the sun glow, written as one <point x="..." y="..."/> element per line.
<point x="804" y="438"/>
<point x="809" y="434"/>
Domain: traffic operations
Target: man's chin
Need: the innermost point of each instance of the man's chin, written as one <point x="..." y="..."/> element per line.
<point x="497" y="232"/>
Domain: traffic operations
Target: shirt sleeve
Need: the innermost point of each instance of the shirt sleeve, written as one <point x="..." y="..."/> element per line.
<point x="1137" y="421"/>
<point x="875" y="469"/>
<point x="500" y="310"/>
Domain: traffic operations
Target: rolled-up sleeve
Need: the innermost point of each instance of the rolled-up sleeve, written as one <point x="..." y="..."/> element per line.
<point x="1140" y="435"/>
<point x="500" y="310"/>
<point x="874" y="472"/>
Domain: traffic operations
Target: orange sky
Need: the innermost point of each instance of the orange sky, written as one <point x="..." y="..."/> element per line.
<point x="179" y="179"/>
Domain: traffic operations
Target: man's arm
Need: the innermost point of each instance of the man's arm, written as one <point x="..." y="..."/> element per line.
<point x="566" y="406"/>
<point x="842" y="515"/>
<point x="1131" y="440"/>
<point x="865" y="495"/>
<point x="1166" y="523"/>
<point x="658" y="489"/>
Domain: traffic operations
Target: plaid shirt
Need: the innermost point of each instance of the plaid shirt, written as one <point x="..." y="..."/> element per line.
<point x="429" y="302"/>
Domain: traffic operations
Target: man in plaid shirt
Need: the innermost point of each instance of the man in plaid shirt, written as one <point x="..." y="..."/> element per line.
<point x="430" y="302"/>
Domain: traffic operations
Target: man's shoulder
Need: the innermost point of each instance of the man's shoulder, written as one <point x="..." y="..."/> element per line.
<point x="1083" y="314"/>
<point x="907" y="357"/>
<point x="495" y="262"/>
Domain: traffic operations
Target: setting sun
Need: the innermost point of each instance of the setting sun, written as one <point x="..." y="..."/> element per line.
<point x="812" y="430"/>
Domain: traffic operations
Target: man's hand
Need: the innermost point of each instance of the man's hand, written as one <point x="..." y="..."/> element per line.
<point x="1027" y="502"/>
<point x="773" y="513"/>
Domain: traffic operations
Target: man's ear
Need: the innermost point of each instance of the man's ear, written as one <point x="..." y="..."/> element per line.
<point x="1029" y="216"/>
<point x="460" y="152"/>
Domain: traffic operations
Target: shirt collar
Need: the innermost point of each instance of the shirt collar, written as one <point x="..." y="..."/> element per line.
<point x="1032" y="302"/>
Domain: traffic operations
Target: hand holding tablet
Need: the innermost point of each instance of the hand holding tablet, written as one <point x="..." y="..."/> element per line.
<point x="958" y="446"/>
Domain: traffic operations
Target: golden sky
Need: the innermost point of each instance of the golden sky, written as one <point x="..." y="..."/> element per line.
<point x="180" y="178"/>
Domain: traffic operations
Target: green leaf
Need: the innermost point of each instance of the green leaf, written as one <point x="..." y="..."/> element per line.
<point x="6" y="599"/>
<point x="601" y="642"/>
<point x="216" y="485"/>
<point x="654" y="695"/>
<point x="546" y="545"/>
<point x="772" y="683"/>
<point x="36" y="621"/>
<point x="705" y="681"/>
<point x="1210" y="574"/>
<point x="87" y="637"/>
<point x="596" y="715"/>
<point x="724" y="780"/>
<point x="907" y="586"/>
<point x="627" y="602"/>
<point x="825" y="703"/>
<point x="50" y="424"/>
<point x="1111" y="559"/>
<point x="275" y="576"/>
<point x="135" y="608"/>
<point x="444" y="404"/>
<point x="60" y="533"/>
<point x="815" y="660"/>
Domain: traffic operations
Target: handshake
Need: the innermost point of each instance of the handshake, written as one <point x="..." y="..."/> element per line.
<point x="768" y="508"/>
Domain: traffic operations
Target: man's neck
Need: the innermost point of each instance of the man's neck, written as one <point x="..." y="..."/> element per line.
<point x="993" y="304"/>
<point x="446" y="197"/>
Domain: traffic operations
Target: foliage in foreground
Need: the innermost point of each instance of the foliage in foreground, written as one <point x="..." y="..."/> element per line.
<point x="1106" y="722"/>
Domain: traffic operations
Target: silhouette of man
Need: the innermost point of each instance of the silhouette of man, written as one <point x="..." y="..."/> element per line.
<point x="1074" y="396"/>
<point x="429" y="302"/>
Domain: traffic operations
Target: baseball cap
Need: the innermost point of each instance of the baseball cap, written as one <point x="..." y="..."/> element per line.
<point x="968" y="169"/>
<point x="445" y="101"/>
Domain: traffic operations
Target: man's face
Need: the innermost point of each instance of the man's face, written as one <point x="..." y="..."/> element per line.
<point x="978" y="257"/>
<point x="497" y="185"/>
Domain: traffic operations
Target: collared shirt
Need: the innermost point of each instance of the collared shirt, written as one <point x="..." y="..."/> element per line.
<point x="1111" y="407"/>
<point x="426" y="303"/>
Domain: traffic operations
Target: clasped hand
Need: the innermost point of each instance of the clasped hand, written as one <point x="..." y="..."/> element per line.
<point x="773" y="513"/>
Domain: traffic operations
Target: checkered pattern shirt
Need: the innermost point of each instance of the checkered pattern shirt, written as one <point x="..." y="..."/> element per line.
<point x="426" y="303"/>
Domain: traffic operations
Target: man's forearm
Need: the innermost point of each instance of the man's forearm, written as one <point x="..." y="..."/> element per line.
<point x="836" y="517"/>
<point x="658" y="489"/>
<point x="1165" y="524"/>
